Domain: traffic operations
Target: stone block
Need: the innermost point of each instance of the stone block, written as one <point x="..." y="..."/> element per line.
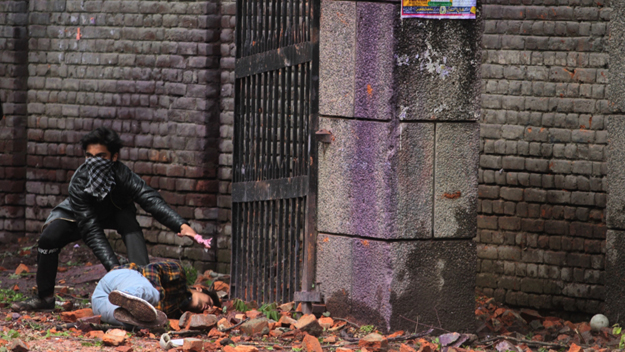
<point x="455" y="180"/>
<point x="334" y="272"/>
<point x="337" y="47"/>
<point x="616" y="173"/>
<point x="390" y="282"/>
<point x="437" y="73"/>
<point x="415" y="174"/>
<point x="355" y="179"/>
<point x="373" y="95"/>
<point x="427" y="275"/>
<point x="616" y="73"/>
<point x="372" y="270"/>
<point x="356" y="70"/>
<point x="380" y="186"/>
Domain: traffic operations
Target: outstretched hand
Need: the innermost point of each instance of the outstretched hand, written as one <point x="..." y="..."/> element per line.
<point x="186" y="230"/>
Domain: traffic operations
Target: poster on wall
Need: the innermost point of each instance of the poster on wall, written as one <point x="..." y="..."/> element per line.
<point x="450" y="9"/>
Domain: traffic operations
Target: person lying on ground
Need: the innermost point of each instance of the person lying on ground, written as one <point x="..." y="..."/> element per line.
<point x="145" y="296"/>
<point x="102" y="193"/>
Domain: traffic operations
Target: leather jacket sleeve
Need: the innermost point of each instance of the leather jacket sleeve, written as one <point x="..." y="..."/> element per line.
<point x="148" y="198"/>
<point x="91" y="231"/>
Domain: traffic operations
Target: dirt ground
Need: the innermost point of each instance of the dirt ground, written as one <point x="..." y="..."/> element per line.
<point x="499" y="328"/>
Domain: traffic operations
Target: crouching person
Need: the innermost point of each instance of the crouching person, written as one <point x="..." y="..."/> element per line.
<point x="145" y="296"/>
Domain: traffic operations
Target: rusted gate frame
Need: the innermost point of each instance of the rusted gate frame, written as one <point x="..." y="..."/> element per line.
<point x="275" y="152"/>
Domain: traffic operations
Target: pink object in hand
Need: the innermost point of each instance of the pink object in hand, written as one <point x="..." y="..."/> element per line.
<point x="202" y="241"/>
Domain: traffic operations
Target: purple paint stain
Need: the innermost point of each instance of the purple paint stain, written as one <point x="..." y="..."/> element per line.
<point x="374" y="62"/>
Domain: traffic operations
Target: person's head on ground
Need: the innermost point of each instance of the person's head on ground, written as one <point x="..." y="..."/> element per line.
<point x="102" y="142"/>
<point x="201" y="299"/>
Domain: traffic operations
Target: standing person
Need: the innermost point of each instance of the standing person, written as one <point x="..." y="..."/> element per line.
<point x="102" y="193"/>
<point x="146" y="296"/>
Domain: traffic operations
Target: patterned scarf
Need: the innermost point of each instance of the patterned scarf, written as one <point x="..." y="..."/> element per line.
<point x="101" y="178"/>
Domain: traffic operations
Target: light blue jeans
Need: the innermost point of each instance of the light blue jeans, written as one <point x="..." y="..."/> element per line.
<point x="125" y="280"/>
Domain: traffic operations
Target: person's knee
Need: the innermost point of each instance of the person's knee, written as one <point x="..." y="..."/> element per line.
<point x="47" y="244"/>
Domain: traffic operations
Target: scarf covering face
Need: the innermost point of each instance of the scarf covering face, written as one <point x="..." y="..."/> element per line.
<point x="101" y="178"/>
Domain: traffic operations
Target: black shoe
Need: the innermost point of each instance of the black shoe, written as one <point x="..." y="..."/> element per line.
<point x="34" y="304"/>
<point x="124" y="316"/>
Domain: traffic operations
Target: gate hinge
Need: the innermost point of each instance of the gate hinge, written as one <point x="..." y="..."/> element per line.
<point x="307" y="296"/>
<point x="324" y="136"/>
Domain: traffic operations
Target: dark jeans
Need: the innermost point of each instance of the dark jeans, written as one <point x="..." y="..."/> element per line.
<point x="60" y="233"/>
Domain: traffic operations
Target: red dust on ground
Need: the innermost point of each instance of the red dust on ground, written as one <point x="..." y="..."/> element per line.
<point x="498" y="328"/>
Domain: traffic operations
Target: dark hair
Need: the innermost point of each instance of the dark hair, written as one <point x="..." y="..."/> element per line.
<point x="105" y="136"/>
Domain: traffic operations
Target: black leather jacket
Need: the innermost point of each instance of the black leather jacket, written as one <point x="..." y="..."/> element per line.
<point x="93" y="216"/>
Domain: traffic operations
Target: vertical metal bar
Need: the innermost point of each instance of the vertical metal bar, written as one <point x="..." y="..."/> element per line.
<point x="272" y="37"/>
<point x="274" y="124"/>
<point x="302" y="117"/>
<point x="291" y="26"/>
<point x="233" y="244"/>
<point x="267" y="25"/>
<point x="247" y="169"/>
<point x="276" y="121"/>
<point x="249" y="260"/>
<point x="248" y="30"/>
<point x="258" y="139"/>
<point x="298" y="242"/>
<point x="264" y="128"/>
<point x="268" y="125"/>
<point x="244" y="261"/>
<point x="280" y="251"/>
<point x="310" y="239"/>
<point x="310" y="137"/>
<point x="254" y="20"/>
<point x="261" y="255"/>
<point x="295" y="117"/>
<point x="267" y="119"/>
<point x="254" y="130"/>
<point x="296" y="21"/>
<point x="252" y="255"/>
<point x="274" y="250"/>
<point x="240" y="28"/>
<point x="283" y="118"/>
<point x="287" y="247"/>
<point x="292" y="249"/>
<point x="266" y="266"/>
<point x="236" y="128"/>
<point x="283" y="30"/>
<point x="288" y="156"/>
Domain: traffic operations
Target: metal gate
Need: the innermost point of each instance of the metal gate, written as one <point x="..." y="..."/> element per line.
<point x="275" y="153"/>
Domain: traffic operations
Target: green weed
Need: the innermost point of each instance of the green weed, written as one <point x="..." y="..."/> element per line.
<point x="191" y="274"/>
<point x="367" y="329"/>
<point x="240" y="306"/>
<point x="7" y="295"/>
<point x="270" y="311"/>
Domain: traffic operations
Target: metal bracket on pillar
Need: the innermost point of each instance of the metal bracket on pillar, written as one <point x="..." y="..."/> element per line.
<point x="324" y="136"/>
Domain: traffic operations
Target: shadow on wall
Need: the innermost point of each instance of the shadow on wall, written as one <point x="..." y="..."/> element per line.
<point x="342" y="306"/>
<point x="432" y="286"/>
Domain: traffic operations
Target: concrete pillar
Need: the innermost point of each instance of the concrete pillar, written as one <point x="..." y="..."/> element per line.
<point x="615" y="209"/>
<point x="397" y="206"/>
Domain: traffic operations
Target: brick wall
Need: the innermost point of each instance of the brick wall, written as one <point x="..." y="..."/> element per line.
<point x="543" y="142"/>
<point x="13" y="75"/>
<point x="151" y="70"/>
